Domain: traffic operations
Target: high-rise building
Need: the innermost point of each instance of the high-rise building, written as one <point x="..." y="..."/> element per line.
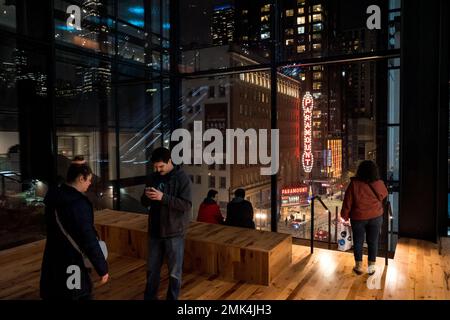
<point x="94" y="79"/>
<point x="222" y="29"/>
<point x="304" y="34"/>
<point x="359" y="91"/>
<point x="303" y="27"/>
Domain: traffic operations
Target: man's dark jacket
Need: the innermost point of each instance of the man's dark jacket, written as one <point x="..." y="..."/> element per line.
<point x="176" y="204"/>
<point x="240" y="213"/>
<point x="77" y="217"/>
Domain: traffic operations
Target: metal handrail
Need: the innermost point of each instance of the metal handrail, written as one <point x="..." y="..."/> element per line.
<point x="388" y="224"/>
<point x="312" y="221"/>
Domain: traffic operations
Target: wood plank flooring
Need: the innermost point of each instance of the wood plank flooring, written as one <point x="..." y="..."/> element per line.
<point x="416" y="272"/>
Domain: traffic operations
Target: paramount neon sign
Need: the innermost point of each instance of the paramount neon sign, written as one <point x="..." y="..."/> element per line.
<point x="307" y="156"/>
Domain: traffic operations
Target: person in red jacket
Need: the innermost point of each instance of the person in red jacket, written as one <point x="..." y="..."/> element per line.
<point x="209" y="211"/>
<point x="363" y="205"/>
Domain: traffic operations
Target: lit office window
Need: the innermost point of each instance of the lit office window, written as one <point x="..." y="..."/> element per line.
<point x="289" y="42"/>
<point x="301" y="30"/>
<point x="317" y="85"/>
<point x="301" y="48"/>
<point x="265" y="35"/>
<point x="301" y="20"/>
<point x="317" y="17"/>
<point x="301" y="10"/>
<point x="265" y="8"/>
<point x="317" y="46"/>
<point x="290" y="13"/>
<point x="317" y="27"/>
<point x="317" y="8"/>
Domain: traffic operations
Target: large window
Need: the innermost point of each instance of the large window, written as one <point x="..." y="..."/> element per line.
<point x="118" y="94"/>
<point x="339" y="132"/>
<point x="356" y="104"/>
<point x="115" y="109"/>
<point x="109" y="102"/>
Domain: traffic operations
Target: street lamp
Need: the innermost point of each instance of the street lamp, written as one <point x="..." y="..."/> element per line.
<point x="260" y="216"/>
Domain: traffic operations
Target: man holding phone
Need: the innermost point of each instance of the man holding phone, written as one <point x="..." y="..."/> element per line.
<point x="168" y="197"/>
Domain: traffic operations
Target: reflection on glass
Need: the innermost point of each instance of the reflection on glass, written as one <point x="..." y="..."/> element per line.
<point x="95" y="26"/>
<point x="22" y="83"/>
<point x="393" y="153"/>
<point x="8" y="15"/>
<point x="394" y="96"/>
<point x="83" y="111"/>
<point x="141" y="126"/>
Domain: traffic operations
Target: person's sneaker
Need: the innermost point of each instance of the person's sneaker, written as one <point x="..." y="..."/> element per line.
<point x="371" y="269"/>
<point x="358" y="268"/>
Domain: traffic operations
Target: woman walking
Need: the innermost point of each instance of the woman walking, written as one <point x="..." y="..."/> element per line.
<point x="70" y="229"/>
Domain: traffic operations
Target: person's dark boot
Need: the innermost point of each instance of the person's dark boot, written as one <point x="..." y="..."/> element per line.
<point x="358" y="268"/>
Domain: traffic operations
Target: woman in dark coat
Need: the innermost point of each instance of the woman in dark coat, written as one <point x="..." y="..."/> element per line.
<point x="76" y="215"/>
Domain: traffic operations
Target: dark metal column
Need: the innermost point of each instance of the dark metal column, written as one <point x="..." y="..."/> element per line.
<point x="274" y="58"/>
<point x="174" y="52"/>
<point x="424" y="104"/>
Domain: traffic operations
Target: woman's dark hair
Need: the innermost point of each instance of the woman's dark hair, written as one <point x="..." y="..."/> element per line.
<point x="367" y="171"/>
<point x="75" y="170"/>
<point x="160" y="154"/>
<point x="211" y="193"/>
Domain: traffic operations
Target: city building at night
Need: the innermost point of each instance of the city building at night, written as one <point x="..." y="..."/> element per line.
<point x="334" y="82"/>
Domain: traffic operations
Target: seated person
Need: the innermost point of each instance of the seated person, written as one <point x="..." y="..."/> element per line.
<point x="240" y="211"/>
<point x="209" y="211"/>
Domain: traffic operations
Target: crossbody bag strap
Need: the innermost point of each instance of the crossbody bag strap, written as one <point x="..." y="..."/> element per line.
<point x="385" y="204"/>
<point x="374" y="192"/>
<point x="72" y="242"/>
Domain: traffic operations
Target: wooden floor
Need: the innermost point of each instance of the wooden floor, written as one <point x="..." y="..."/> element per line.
<point x="417" y="272"/>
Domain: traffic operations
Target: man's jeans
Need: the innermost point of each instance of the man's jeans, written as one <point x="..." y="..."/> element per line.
<point x="371" y="228"/>
<point x="173" y="250"/>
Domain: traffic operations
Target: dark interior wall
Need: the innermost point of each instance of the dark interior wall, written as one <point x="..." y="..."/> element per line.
<point x="424" y="72"/>
<point x="36" y="123"/>
<point x="444" y="105"/>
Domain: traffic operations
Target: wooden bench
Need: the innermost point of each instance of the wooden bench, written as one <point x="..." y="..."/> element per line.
<point x="231" y="253"/>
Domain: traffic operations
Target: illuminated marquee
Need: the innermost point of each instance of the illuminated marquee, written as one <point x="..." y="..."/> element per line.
<point x="307" y="157"/>
<point x="290" y="191"/>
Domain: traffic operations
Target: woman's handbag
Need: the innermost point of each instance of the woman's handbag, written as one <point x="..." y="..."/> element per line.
<point x="344" y="236"/>
<point x="87" y="262"/>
